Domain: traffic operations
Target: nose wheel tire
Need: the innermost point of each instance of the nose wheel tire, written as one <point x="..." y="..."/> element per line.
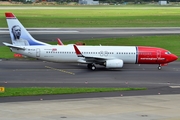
<point x="159" y="67"/>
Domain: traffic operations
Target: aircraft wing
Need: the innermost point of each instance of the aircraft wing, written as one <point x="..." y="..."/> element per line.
<point x="90" y="59"/>
<point x="13" y="46"/>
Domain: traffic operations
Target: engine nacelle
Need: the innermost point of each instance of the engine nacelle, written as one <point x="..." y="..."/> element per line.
<point x="115" y="63"/>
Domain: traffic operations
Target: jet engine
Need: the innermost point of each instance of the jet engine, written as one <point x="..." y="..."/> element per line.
<point x="115" y="63"/>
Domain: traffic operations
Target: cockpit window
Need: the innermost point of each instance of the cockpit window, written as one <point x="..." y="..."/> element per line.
<point x="168" y="52"/>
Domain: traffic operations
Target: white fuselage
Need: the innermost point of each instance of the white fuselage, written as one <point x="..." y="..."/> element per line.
<point x="67" y="53"/>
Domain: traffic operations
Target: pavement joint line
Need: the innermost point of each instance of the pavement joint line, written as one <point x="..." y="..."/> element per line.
<point x="60" y="70"/>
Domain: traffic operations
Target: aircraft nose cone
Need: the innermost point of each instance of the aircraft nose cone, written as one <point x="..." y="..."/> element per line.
<point x="174" y="57"/>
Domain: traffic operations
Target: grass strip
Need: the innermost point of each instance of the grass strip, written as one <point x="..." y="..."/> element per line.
<point x="33" y="91"/>
<point x="5" y="53"/>
<point x="95" y="17"/>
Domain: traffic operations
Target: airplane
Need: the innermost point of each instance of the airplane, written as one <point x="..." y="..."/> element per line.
<point x="112" y="57"/>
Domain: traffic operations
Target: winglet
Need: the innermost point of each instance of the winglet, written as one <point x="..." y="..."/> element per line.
<point x="59" y="42"/>
<point x="78" y="53"/>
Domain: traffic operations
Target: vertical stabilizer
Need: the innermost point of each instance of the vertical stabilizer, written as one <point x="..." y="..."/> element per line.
<point x="19" y="35"/>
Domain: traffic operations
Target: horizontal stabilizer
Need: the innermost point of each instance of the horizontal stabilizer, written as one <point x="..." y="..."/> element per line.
<point x="13" y="46"/>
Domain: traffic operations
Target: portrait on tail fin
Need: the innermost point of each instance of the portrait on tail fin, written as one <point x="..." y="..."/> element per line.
<point x="16" y="31"/>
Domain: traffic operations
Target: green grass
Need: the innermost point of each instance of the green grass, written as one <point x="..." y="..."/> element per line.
<point x="96" y="17"/>
<point x="33" y="91"/>
<point x="169" y="42"/>
<point x="5" y="52"/>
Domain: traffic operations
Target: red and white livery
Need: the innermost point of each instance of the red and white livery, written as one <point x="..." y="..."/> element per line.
<point x="108" y="56"/>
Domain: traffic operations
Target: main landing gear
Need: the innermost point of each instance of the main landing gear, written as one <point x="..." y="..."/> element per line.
<point x="91" y="66"/>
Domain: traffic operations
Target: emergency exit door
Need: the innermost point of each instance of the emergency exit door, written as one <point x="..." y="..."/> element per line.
<point x="37" y="52"/>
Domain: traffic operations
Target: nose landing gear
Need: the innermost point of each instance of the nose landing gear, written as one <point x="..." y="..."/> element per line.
<point x="159" y="67"/>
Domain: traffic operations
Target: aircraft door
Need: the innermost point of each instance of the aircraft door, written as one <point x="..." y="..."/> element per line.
<point x="37" y="52"/>
<point x="101" y="53"/>
<point x="106" y="53"/>
<point x="158" y="54"/>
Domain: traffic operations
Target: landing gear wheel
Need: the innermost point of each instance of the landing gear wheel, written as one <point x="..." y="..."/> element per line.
<point x="159" y="67"/>
<point x="93" y="67"/>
